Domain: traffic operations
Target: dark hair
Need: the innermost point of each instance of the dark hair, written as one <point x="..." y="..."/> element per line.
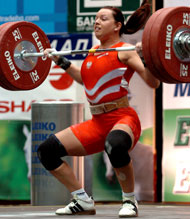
<point x="136" y="21"/>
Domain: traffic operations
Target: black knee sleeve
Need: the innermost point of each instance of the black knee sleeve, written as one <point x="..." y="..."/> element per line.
<point x="117" y="144"/>
<point x="50" y="153"/>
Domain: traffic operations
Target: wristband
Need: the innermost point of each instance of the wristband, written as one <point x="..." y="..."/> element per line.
<point x="63" y="62"/>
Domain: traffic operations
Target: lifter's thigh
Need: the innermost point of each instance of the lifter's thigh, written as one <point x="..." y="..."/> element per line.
<point x="71" y="143"/>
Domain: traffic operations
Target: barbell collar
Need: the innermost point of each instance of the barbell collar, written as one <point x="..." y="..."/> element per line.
<point x="181" y="45"/>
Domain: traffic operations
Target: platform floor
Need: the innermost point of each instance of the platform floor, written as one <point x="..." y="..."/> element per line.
<point x="152" y="211"/>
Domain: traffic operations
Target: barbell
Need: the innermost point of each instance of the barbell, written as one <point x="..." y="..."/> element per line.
<point x="165" y="43"/>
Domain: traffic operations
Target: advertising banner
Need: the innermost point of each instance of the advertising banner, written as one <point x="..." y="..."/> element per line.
<point x="50" y="15"/>
<point x="176" y="143"/>
<point x="176" y="136"/>
<point x="82" y="12"/>
<point x="14" y="140"/>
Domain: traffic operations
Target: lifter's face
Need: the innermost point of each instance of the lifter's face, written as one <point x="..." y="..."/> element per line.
<point x="105" y="24"/>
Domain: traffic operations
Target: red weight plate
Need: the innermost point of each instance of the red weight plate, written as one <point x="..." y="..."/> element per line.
<point x="146" y="47"/>
<point x="30" y="73"/>
<point x="153" y="46"/>
<point x="167" y="24"/>
<point x="3" y="81"/>
<point x="163" y="75"/>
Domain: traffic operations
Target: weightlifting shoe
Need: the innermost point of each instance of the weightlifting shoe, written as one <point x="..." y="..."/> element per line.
<point x="78" y="206"/>
<point x="129" y="207"/>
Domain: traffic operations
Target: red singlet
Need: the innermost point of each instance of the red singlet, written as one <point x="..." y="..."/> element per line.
<point x="105" y="79"/>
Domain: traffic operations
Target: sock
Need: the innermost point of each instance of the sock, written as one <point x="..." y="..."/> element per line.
<point x="130" y="196"/>
<point x="81" y="194"/>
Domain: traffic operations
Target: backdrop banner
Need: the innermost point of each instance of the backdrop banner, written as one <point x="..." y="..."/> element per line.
<point x="176" y="143"/>
<point x="50" y="15"/>
<point x="82" y="12"/>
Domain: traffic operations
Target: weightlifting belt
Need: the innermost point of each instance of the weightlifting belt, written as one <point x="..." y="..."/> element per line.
<point x="109" y="106"/>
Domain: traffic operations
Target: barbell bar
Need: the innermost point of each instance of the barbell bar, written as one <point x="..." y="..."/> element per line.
<point x="25" y="54"/>
<point x="165" y="42"/>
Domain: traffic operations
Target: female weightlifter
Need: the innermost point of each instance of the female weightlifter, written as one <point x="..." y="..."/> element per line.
<point x="115" y="126"/>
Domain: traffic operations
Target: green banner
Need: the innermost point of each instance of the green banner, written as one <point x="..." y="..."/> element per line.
<point x="81" y="13"/>
<point x="176" y="162"/>
<point x="14" y="148"/>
